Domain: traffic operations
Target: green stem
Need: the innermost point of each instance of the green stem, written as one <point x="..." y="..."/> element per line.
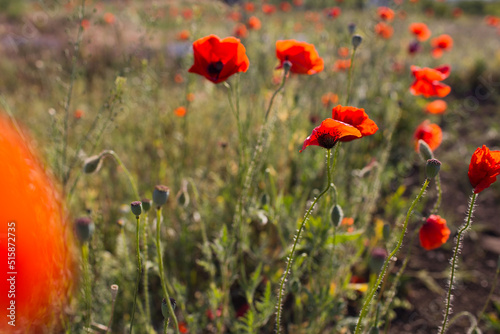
<point x="76" y="51"/>
<point x="283" y="80"/>
<point x="145" y="270"/>
<point x="129" y="176"/>
<point x="373" y="290"/>
<point x="349" y="76"/>
<point x="435" y="209"/>
<point x="139" y="271"/>
<point x="160" y="268"/>
<point x="86" y="282"/>
<point x="454" y="263"/>
<point x="296" y="239"/>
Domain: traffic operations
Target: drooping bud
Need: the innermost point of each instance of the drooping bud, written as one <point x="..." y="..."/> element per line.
<point x="92" y="164"/>
<point x="160" y="195"/>
<point x="164" y="307"/>
<point x="84" y="228"/>
<point x="432" y="168"/>
<point x="356" y="41"/>
<point x="146" y="204"/>
<point x="336" y="215"/>
<point x="425" y="150"/>
<point x="136" y="209"/>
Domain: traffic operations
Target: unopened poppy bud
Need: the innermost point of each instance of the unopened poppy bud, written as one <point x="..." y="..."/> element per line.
<point x="432" y="168"/>
<point x="352" y="28"/>
<point x="264" y="199"/>
<point x="425" y="150"/>
<point x="287" y="65"/>
<point x="164" y="307"/>
<point x="336" y="215"/>
<point x="146" y="204"/>
<point x="84" y="228"/>
<point x="356" y="41"/>
<point x="160" y="195"/>
<point x="377" y="259"/>
<point x="183" y="198"/>
<point x="92" y="164"/>
<point x="136" y="209"/>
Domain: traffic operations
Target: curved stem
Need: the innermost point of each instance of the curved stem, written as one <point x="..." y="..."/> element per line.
<point x="372" y="292"/>
<point x="129" y="176"/>
<point x="454" y="263"/>
<point x="285" y="75"/>
<point x="162" y="275"/>
<point x="139" y="271"/>
<point x="296" y="239"/>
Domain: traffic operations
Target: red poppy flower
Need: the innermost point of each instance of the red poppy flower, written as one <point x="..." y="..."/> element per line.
<point x="355" y="117"/>
<point x="430" y="133"/>
<point x="457" y="12"/>
<point x="434" y="232"/>
<point x="240" y="30"/>
<point x="85" y="24"/>
<point x="183" y="35"/>
<point x="420" y="30"/>
<point x="249" y="7"/>
<point x="329" y="98"/>
<point x="343" y="52"/>
<point x="333" y="12"/>
<point x="427" y="81"/>
<point x="384" y="30"/>
<point x="436" y="107"/>
<point x="302" y="55"/>
<point x="268" y="9"/>
<point x="341" y="65"/>
<point x="484" y="168"/>
<point x="41" y="254"/>
<point x="492" y="20"/>
<point x="183" y="327"/>
<point x="187" y="14"/>
<point x="217" y="59"/>
<point x="329" y="133"/>
<point x="440" y="44"/>
<point x="385" y="13"/>
<point x="254" y="23"/>
<point x="298" y="3"/>
<point x="285" y="6"/>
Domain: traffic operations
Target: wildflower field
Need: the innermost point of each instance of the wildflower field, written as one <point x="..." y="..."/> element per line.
<point x="302" y="166"/>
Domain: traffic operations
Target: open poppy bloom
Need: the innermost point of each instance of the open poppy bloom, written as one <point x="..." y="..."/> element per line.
<point x="355" y="117"/>
<point x="302" y="55"/>
<point x="483" y="168"/>
<point x="217" y="59"/>
<point x="427" y="81"/>
<point x="240" y="30"/>
<point x="434" y="232"/>
<point x="329" y="133"/>
<point x="35" y="244"/>
<point x="385" y="13"/>
<point x="420" y="30"/>
<point x="384" y="30"/>
<point x="436" y="107"/>
<point x="430" y="133"/>
<point x="440" y="44"/>
<point x="254" y="23"/>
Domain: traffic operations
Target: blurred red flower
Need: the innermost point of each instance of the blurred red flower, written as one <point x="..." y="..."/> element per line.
<point x="249" y="7"/>
<point x="430" y="133"/>
<point x="355" y="117"/>
<point x="483" y="168"/>
<point x="32" y="214"/>
<point x="79" y="113"/>
<point x="183" y="35"/>
<point x="341" y="65"/>
<point x="109" y="18"/>
<point x="240" y="30"/>
<point x="302" y="55"/>
<point x="385" y="13"/>
<point x="285" y="6"/>
<point x="457" y="12"/>
<point x="434" y="232"/>
<point x="440" y="44"/>
<point x="187" y="14"/>
<point x="217" y="59"/>
<point x="427" y="81"/>
<point x="343" y="52"/>
<point x="85" y="24"/>
<point x="436" y="107"/>
<point x="183" y="327"/>
<point x="254" y="23"/>
<point x="235" y="16"/>
<point x="492" y="20"/>
<point x="333" y="12"/>
<point x="420" y="30"/>
<point x="329" y="133"/>
<point x="298" y="3"/>
<point x="384" y="30"/>
<point x="180" y="112"/>
<point x="268" y="9"/>
<point x="329" y="98"/>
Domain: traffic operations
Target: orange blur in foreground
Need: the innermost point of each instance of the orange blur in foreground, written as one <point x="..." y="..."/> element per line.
<point x="39" y="244"/>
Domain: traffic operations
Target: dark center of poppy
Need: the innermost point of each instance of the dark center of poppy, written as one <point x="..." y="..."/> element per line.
<point x="326" y="140"/>
<point x="215" y="68"/>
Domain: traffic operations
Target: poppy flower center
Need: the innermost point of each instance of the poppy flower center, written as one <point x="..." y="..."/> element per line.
<point x="326" y="140"/>
<point x="215" y="68"/>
